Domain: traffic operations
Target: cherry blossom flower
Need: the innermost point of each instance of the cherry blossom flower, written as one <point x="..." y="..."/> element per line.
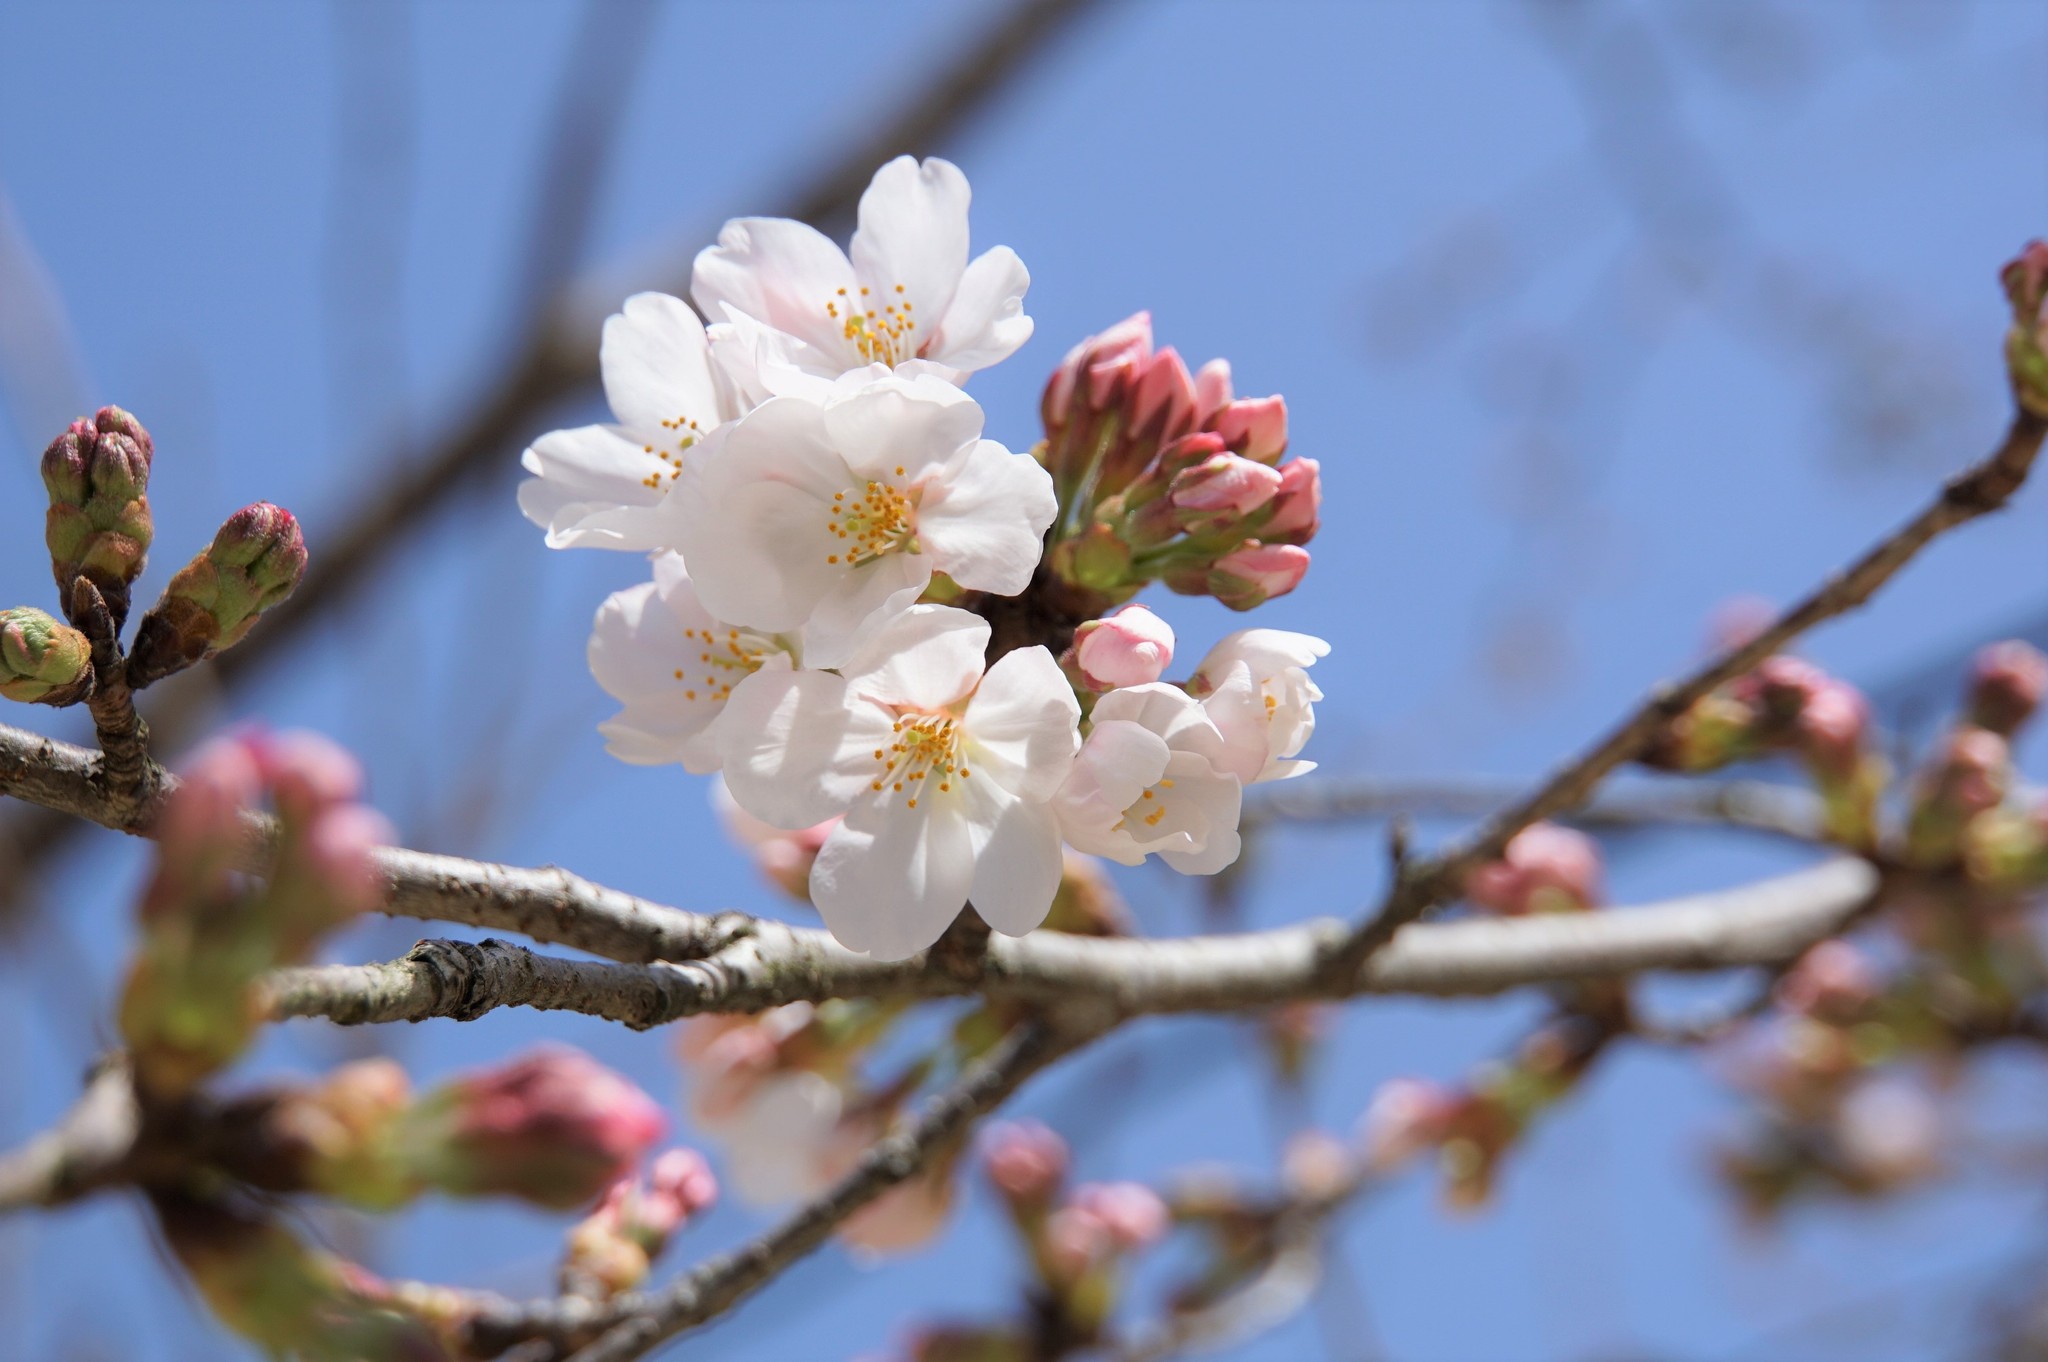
<point x="673" y="667"/>
<point x="908" y="298"/>
<point x="1268" y="723"/>
<point x="823" y="516"/>
<point x="600" y="486"/>
<point x="1152" y="778"/>
<point x="945" y="773"/>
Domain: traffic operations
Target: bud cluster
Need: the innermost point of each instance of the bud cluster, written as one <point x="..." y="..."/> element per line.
<point x="254" y="562"/>
<point x="209" y="933"/>
<point x="1163" y="475"/>
<point x="1544" y="869"/>
<point x="613" y="1249"/>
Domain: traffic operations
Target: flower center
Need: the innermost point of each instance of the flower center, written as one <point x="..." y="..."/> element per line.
<point x="874" y="522"/>
<point x="1149" y="809"/>
<point x="669" y="463"/>
<point x="920" y="746"/>
<point x="723" y="661"/>
<point x="884" y="336"/>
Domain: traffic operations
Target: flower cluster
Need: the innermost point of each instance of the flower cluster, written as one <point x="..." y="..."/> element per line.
<point x="892" y="635"/>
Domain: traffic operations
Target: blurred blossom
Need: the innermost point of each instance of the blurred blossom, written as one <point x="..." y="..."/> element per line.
<point x="2006" y="685"/>
<point x="1889" y="1131"/>
<point x="1833" y="982"/>
<point x="1026" y="1160"/>
<point x="1317" y="1166"/>
<point x="1132" y="1213"/>
<point x="1405" y="1117"/>
<point x="612" y="1249"/>
<point x="785" y="858"/>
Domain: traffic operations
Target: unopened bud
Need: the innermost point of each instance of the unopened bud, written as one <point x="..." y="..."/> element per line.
<point x="1098" y="558"/>
<point x="99" y="526"/>
<point x="42" y="661"/>
<point x="1970" y="779"/>
<point x="1297" y="510"/>
<point x="254" y="562"/>
<point x="1831" y="982"/>
<point x="2026" y="344"/>
<point x="1132" y="1212"/>
<point x="1545" y="869"/>
<point x="1220" y="489"/>
<point x="1027" y="1162"/>
<point x="1129" y="648"/>
<point x="613" y="1248"/>
<point x="1255" y="427"/>
<point x="555" y="1128"/>
<point x="1405" y="1117"/>
<point x="1255" y="573"/>
<point x="2006" y="686"/>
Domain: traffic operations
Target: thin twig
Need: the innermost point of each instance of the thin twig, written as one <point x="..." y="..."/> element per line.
<point x="124" y="768"/>
<point x="88" y="1149"/>
<point x="1979" y="490"/>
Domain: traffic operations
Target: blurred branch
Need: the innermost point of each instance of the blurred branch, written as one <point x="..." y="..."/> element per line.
<point x="88" y="1149"/>
<point x="1977" y="491"/>
<point x="556" y="362"/>
<point x="1752" y="805"/>
<point x="630" y="1325"/>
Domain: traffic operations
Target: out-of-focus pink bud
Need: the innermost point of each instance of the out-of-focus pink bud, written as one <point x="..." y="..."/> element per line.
<point x="2006" y="686"/>
<point x="554" y="1128"/>
<point x="1227" y="485"/>
<point x="1076" y="1242"/>
<point x="1832" y="724"/>
<point x="1026" y="1160"/>
<point x="1255" y="427"/>
<point x="1889" y="1132"/>
<point x="612" y="1249"/>
<point x="1212" y="389"/>
<point x="1317" y="1166"/>
<point x="906" y="1217"/>
<point x="1298" y="506"/>
<point x="1546" y="868"/>
<point x="1831" y="982"/>
<point x="1255" y="573"/>
<point x="1131" y="1212"/>
<point x="1405" y="1117"/>
<point x="1129" y="648"/>
<point x="1975" y="772"/>
<point x="2026" y="344"/>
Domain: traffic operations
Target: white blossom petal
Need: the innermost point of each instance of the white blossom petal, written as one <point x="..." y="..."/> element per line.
<point x="912" y="233"/>
<point x="985" y="524"/>
<point x="780" y="272"/>
<point x="1017" y="862"/>
<point x="986" y="323"/>
<point x="796" y="746"/>
<point x="658" y="375"/>
<point x="1024" y="724"/>
<point x="595" y="487"/>
<point x="890" y="879"/>
<point x="924" y="659"/>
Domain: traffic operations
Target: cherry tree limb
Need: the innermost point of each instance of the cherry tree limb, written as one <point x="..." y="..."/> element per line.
<point x="1979" y="490"/>
<point x="88" y="1149"/>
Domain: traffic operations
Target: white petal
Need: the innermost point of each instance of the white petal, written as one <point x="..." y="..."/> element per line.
<point x="985" y="525"/>
<point x="592" y="491"/>
<point x="913" y="232"/>
<point x="986" y="322"/>
<point x="1266" y="651"/>
<point x="1168" y="711"/>
<point x="779" y="272"/>
<point x="796" y="746"/>
<point x="890" y="879"/>
<point x="926" y="658"/>
<point x="1017" y="865"/>
<point x="1206" y="804"/>
<point x="920" y="425"/>
<point x="657" y="368"/>
<point x="775" y="1146"/>
<point x="1024" y="724"/>
<point x="1238" y="710"/>
<point x="860" y="601"/>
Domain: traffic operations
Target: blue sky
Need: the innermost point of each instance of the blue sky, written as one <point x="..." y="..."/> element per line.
<point x="1596" y="315"/>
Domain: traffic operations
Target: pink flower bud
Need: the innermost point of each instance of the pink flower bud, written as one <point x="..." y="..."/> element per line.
<point x="2006" y="686"/>
<point x="1212" y="389"/>
<point x="1163" y="403"/>
<point x="1131" y="1212"/>
<point x="1405" y="1117"/>
<point x="1129" y="648"/>
<point x="1298" y="505"/>
<point x="1316" y="1165"/>
<point x="1831" y="726"/>
<point x="679" y="1185"/>
<point x="2026" y="280"/>
<point x="1255" y="427"/>
<point x="553" y="1128"/>
<point x="1224" y="485"/>
<point x="1026" y="1161"/>
<point x="1098" y="368"/>
<point x="1975" y="771"/>
<point x="1831" y="982"/>
<point x="1254" y="573"/>
<point x="1076" y="1242"/>
<point x="1546" y="868"/>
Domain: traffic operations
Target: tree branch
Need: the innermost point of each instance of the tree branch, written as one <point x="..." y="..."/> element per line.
<point x="1763" y="924"/>
<point x="630" y="1325"/>
<point x="88" y="1149"/>
<point x="1977" y="491"/>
